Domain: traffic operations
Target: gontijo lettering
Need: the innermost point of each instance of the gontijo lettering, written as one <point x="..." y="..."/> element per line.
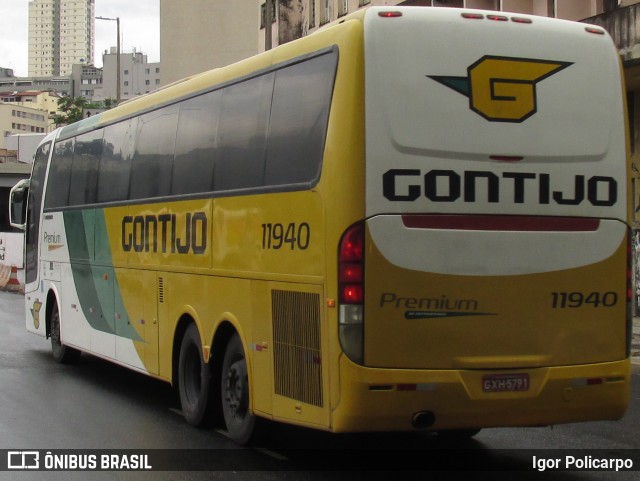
<point x="166" y="233"/>
<point x="450" y="186"/>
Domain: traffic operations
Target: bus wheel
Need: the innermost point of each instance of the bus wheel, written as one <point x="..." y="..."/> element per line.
<point x="235" y="393"/>
<point x="194" y="378"/>
<point x="61" y="353"/>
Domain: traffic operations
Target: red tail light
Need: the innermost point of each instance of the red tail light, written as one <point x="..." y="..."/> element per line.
<point x="351" y="266"/>
<point x="351" y="272"/>
<point x="352" y="294"/>
<point x="596" y="31"/>
<point x="390" y="14"/>
<point x="351" y="247"/>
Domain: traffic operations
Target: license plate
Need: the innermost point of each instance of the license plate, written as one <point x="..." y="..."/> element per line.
<point x="505" y="382"/>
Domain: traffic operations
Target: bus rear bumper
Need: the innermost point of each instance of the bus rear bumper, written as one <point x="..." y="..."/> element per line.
<point x="373" y="399"/>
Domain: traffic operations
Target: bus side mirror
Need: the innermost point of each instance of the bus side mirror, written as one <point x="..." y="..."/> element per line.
<point x="18" y="205"/>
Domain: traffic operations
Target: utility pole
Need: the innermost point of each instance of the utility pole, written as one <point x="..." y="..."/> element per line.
<point x="117" y="20"/>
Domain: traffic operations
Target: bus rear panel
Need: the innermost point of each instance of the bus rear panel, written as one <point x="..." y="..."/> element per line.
<point x="495" y="245"/>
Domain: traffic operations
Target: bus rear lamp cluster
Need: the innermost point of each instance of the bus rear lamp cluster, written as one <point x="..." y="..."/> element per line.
<point x="351" y="293"/>
<point x="504" y="18"/>
<point x="494" y="17"/>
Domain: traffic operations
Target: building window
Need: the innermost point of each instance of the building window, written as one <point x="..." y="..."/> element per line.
<point x="126" y="72"/>
<point x="126" y="83"/>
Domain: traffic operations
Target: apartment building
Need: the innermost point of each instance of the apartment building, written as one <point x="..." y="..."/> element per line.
<point x="17" y="119"/>
<point x="45" y="100"/>
<point x="86" y="81"/>
<point x="58" y="84"/>
<point x="137" y="75"/>
<point x="198" y="35"/>
<point x="61" y="33"/>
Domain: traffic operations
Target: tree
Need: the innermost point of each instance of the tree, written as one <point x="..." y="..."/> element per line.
<point x="109" y="103"/>
<point x="72" y="110"/>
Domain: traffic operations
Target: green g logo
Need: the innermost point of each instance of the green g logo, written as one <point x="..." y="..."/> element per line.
<point x="503" y="89"/>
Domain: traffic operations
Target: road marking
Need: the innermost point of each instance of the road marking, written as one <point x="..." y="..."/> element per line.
<point x="266" y="451"/>
<point x="273" y="454"/>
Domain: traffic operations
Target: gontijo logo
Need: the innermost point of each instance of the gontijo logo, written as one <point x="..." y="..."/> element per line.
<point x="503" y="89"/>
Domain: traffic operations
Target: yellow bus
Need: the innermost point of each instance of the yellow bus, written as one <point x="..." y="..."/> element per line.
<point x="414" y="219"/>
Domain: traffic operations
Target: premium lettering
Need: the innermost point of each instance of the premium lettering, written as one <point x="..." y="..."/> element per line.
<point x="166" y="233"/>
<point x="390" y="299"/>
<point x="408" y="185"/>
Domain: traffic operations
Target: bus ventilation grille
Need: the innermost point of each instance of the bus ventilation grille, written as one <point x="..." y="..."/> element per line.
<point x="296" y="342"/>
<point x="160" y="290"/>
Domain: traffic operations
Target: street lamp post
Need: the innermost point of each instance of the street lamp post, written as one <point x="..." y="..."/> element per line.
<point x="117" y="20"/>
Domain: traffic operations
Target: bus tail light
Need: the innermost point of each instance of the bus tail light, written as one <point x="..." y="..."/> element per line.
<point x="390" y="14"/>
<point x="351" y="293"/>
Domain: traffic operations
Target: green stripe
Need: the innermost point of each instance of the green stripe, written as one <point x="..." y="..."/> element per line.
<point x="96" y="285"/>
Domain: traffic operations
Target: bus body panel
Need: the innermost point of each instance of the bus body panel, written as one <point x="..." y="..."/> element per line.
<point x="496" y="195"/>
<point x="388" y="399"/>
<point x="481" y="314"/>
<point x="549" y="142"/>
<point x="238" y="259"/>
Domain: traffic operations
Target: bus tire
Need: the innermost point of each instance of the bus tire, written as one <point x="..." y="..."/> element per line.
<point x="61" y="353"/>
<point x="194" y="378"/>
<point x="238" y="419"/>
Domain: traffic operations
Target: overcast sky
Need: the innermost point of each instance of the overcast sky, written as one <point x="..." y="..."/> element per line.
<point x="139" y="29"/>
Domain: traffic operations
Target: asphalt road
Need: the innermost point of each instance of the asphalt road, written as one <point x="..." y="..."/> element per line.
<point x="94" y="405"/>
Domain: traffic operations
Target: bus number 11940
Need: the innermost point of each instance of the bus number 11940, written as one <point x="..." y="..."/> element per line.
<point x="563" y="300"/>
<point x="277" y="236"/>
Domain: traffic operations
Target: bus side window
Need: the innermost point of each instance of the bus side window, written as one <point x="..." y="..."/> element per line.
<point x="195" y="144"/>
<point x="242" y="134"/>
<point x="115" y="163"/>
<point x="84" y="169"/>
<point x="299" y="115"/>
<point x="153" y="158"/>
<point x="59" y="175"/>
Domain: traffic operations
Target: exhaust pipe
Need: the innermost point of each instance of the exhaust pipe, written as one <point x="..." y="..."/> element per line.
<point x="423" y="420"/>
